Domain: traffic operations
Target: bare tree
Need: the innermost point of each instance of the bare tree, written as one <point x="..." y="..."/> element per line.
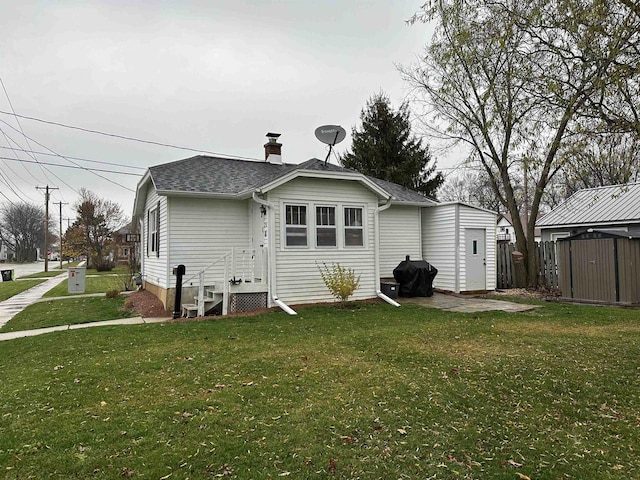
<point x="97" y="220"/>
<point x="513" y="80"/>
<point x="22" y="229"/>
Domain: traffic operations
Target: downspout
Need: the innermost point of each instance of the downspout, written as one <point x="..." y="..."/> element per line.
<point x="271" y="265"/>
<point x="456" y="243"/>
<point x="376" y="251"/>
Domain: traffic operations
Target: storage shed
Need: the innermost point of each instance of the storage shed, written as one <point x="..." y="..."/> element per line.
<point x="600" y="266"/>
<point x="460" y="241"/>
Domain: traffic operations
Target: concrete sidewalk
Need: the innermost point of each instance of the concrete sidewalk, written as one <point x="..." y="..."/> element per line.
<point x="14" y="305"/>
<point x="120" y="321"/>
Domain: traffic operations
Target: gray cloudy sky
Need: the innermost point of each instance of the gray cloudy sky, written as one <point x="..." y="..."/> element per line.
<point x="212" y="75"/>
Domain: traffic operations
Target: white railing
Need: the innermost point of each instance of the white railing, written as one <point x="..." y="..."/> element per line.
<point x="239" y="265"/>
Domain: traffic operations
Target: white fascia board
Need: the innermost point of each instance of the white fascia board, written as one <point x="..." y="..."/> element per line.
<point x="358" y="177"/>
<point x="413" y="204"/>
<point x="475" y="207"/>
<point x="139" y="201"/>
<point x="186" y="193"/>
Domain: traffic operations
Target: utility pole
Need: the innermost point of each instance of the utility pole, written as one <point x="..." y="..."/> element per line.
<point x="46" y="224"/>
<point x="60" y="205"/>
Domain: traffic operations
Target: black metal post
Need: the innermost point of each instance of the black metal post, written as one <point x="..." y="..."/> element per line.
<point x="178" y="271"/>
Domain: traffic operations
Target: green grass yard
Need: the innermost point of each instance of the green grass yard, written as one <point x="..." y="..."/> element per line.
<point x="99" y="284"/>
<point x="373" y="392"/>
<point x="68" y="312"/>
<point x="9" y="289"/>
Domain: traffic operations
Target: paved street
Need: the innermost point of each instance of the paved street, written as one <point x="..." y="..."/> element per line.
<point x="28" y="268"/>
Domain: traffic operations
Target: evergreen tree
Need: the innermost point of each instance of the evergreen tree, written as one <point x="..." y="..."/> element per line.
<point x="385" y="148"/>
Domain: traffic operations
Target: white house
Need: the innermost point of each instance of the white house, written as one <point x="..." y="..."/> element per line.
<point x="612" y="208"/>
<point x="253" y="233"/>
<point x="506" y="232"/>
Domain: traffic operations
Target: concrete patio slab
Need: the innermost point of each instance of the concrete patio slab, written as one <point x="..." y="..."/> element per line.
<point x="465" y="304"/>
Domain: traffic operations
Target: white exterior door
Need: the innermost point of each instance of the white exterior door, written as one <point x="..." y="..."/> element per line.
<point x="476" y="259"/>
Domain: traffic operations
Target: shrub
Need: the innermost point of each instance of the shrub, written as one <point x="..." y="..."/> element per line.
<point x="112" y="293"/>
<point x="340" y="281"/>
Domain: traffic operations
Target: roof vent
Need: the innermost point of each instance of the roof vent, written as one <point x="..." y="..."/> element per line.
<point x="273" y="149"/>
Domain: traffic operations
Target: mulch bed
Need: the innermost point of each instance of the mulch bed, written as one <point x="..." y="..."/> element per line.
<point x="146" y="304"/>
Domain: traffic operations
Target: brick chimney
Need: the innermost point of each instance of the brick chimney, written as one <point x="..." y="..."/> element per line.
<point x="273" y="149"/>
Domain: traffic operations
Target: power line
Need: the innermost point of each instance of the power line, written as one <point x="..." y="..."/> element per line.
<point x="18" y="121"/>
<point x="61" y="180"/>
<point x="8" y="139"/>
<point x="124" y="137"/>
<point x="76" y="158"/>
<point x="80" y="167"/>
<point x="70" y="161"/>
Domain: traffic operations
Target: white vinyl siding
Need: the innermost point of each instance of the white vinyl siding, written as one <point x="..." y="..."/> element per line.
<point x="202" y="230"/>
<point x="400" y="235"/>
<point x="438" y="244"/>
<point x="444" y="243"/>
<point x="155" y="268"/>
<point x="297" y="276"/>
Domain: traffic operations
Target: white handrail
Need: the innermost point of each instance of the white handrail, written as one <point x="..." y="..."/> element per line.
<point x="206" y="268"/>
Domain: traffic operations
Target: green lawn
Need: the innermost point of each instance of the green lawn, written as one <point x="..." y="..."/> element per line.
<point x="373" y="392"/>
<point x="9" y="289"/>
<point x="100" y="284"/>
<point x="50" y="273"/>
<point x="68" y="312"/>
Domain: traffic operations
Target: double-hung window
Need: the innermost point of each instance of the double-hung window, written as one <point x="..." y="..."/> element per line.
<point x="326" y="227"/>
<point x="296" y="225"/>
<point x="153" y="238"/>
<point x="353" y="227"/>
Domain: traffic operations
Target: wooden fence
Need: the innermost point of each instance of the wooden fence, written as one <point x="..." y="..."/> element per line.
<point x="546" y="264"/>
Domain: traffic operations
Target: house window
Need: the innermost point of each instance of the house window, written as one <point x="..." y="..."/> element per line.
<point x="326" y="227"/>
<point x="296" y="225"/>
<point x="125" y="252"/>
<point x="353" y="228"/>
<point x="154" y="239"/>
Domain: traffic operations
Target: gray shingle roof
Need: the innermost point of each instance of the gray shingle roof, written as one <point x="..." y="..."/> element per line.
<point x="223" y="176"/>
<point x="613" y="204"/>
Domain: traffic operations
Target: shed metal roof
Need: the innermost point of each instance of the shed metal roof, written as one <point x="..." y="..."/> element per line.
<point x="601" y="205"/>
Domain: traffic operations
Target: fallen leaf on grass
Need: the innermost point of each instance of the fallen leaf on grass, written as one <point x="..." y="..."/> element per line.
<point x="513" y="463"/>
<point x="522" y="477"/>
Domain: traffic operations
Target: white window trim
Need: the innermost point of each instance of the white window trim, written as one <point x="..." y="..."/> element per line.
<point x="310" y="218"/>
<point x="344" y="226"/>
<point x="153" y="232"/>
<point x="336" y="217"/>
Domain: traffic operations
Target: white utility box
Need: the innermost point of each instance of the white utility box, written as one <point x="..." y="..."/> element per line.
<point x="76" y="281"/>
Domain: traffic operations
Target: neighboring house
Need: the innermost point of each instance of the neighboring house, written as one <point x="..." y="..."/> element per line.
<point x="6" y="254"/>
<point x="255" y="232"/>
<point x="612" y="208"/>
<point x="123" y="249"/>
<point x="505" y="231"/>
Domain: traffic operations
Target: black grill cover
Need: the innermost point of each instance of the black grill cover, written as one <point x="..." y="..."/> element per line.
<point x="415" y="278"/>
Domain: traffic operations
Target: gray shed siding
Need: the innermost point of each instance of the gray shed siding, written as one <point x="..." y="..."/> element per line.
<point x="400" y="235"/>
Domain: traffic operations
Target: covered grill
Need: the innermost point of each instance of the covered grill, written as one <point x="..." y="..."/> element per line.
<point x="415" y="278"/>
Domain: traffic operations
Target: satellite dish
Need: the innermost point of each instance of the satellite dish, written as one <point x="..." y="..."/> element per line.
<point x="330" y="134"/>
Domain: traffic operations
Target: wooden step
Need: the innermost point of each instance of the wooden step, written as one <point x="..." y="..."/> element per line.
<point x="189" y="310"/>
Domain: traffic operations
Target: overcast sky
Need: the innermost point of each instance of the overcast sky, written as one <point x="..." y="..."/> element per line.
<point x="212" y="75"/>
